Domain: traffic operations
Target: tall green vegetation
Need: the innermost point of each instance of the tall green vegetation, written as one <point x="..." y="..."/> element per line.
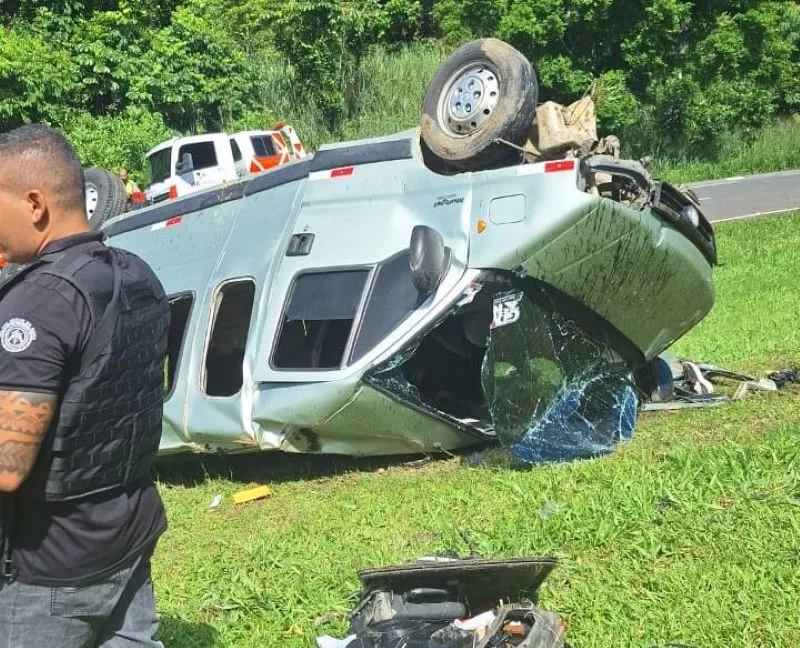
<point x="673" y="77"/>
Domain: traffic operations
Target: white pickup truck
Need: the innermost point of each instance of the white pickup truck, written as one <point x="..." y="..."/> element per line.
<point x="183" y="165"/>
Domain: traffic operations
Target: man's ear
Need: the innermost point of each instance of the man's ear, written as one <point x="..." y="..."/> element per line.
<point x="37" y="206"/>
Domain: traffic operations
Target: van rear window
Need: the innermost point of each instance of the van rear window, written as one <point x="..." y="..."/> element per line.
<point x="318" y="319"/>
<point x="262" y="145"/>
<point x="159" y="166"/>
<point x="203" y="154"/>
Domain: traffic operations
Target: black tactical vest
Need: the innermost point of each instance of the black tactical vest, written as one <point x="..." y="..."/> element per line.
<point x="107" y="428"/>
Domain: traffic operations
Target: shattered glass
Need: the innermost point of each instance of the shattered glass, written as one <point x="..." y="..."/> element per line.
<point x="390" y="377"/>
<point x="554" y="393"/>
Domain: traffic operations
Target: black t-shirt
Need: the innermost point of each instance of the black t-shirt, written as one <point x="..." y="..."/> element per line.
<point x="74" y="542"/>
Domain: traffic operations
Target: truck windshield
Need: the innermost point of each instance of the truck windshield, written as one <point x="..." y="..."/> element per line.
<point x="158" y="168"/>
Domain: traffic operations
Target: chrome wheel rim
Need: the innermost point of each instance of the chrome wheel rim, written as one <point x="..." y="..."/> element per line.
<point x="92" y="196"/>
<point x="468" y="100"/>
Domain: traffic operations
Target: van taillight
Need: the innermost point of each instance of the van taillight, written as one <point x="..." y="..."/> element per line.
<point x="173" y="192"/>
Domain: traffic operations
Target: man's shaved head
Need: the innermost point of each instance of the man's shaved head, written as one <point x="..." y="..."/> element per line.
<point x="39" y="157"/>
<point x="41" y="192"/>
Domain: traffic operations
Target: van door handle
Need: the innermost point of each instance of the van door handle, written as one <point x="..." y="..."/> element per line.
<point x="300" y="244"/>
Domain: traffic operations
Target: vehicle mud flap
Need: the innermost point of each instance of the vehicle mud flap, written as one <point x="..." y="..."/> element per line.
<point x="554" y="393"/>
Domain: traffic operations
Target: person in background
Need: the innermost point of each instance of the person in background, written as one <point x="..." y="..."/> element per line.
<point x="128" y="183"/>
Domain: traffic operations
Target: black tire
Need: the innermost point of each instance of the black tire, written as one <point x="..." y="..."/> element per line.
<point x="509" y="119"/>
<point x="110" y="193"/>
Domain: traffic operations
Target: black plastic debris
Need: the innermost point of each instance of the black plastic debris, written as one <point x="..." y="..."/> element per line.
<point x="785" y="377"/>
<point x="453" y="603"/>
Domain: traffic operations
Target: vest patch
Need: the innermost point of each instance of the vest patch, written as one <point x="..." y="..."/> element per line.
<point x="17" y="334"/>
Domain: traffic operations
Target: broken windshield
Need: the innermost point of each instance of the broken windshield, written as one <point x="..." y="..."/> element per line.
<point x="554" y="394"/>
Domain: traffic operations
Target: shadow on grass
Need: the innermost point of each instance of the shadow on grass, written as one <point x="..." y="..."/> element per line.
<point x="275" y="467"/>
<point x="178" y="633"/>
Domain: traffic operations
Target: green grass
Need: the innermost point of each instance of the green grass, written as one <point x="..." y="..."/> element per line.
<point x="688" y="534"/>
<point x="391" y="88"/>
<point x="757" y="304"/>
<point x="384" y="96"/>
<point x="776" y="147"/>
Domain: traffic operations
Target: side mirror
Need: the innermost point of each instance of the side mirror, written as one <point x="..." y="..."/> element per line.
<point x="186" y="164"/>
<point x="430" y="260"/>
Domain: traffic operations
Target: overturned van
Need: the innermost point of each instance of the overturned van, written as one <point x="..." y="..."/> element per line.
<point x="454" y="283"/>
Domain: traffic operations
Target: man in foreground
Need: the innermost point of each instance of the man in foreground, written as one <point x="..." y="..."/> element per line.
<point x="83" y="332"/>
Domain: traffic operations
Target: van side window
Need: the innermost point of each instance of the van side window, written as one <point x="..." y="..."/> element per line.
<point x="237" y="154"/>
<point x="180" y="307"/>
<point x="233" y="308"/>
<point x="318" y="319"/>
<point x="203" y="154"/>
<point x="262" y="145"/>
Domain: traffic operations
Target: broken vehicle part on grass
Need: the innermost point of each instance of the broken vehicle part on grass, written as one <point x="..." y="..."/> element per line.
<point x="682" y="384"/>
<point x="790" y="376"/>
<point x="365" y="300"/>
<point x="453" y="603"/>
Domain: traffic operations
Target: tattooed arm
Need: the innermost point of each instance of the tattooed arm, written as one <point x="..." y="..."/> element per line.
<point x="44" y="323"/>
<point x="24" y="419"/>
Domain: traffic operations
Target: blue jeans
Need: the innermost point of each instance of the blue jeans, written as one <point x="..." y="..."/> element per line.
<point x="117" y="612"/>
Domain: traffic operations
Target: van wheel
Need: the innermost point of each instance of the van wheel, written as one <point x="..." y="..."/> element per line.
<point x="484" y="92"/>
<point x="105" y="196"/>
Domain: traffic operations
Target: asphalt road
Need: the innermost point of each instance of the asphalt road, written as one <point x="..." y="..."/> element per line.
<point x="749" y="197"/>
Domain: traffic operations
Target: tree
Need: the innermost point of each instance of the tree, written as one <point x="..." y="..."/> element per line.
<point x="195" y="73"/>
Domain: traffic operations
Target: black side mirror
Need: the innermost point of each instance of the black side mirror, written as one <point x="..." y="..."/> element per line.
<point x="430" y="259"/>
<point x="186" y="164"/>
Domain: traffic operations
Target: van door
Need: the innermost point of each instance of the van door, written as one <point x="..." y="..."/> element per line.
<point x="215" y="408"/>
<point x="353" y="233"/>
